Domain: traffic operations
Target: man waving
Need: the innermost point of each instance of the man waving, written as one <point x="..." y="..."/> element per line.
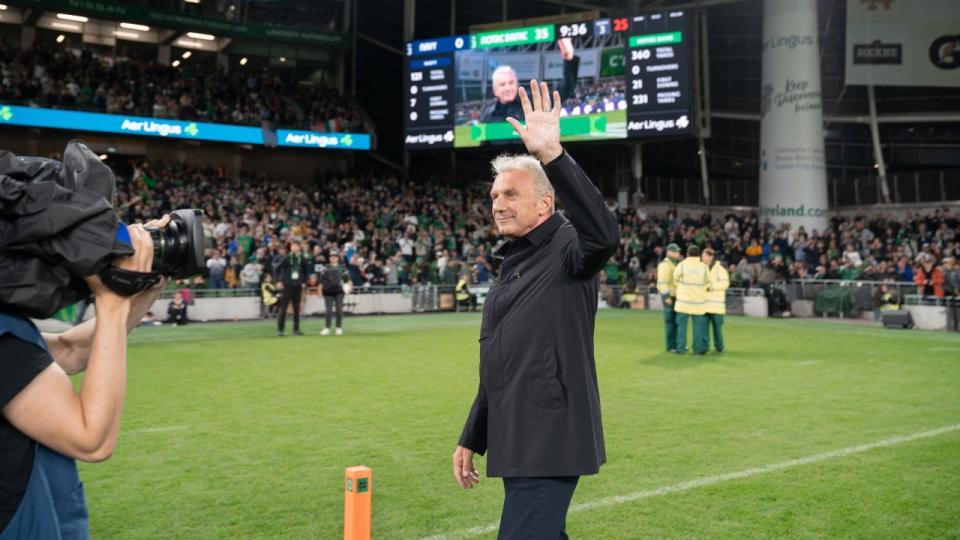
<point x="537" y="409"/>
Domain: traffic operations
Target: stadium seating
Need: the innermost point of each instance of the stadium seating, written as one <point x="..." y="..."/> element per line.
<point x="61" y="78"/>
<point x="402" y="234"/>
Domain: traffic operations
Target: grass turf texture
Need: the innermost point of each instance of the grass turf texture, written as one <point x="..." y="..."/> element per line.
<point x="231" y="432"/>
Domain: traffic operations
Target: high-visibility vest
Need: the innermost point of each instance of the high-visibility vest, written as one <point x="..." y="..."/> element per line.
<point x="691" y="278"/>
<point x="463" y="292"/>
<point x="665" y="283"/>
<point x="717" y="295"/>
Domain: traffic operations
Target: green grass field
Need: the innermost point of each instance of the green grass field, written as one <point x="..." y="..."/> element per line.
<point x="230" y="432"/>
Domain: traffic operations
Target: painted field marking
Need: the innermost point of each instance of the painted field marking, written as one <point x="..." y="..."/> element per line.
<point x="711" y="480"/>
<point x="165" y="429"/>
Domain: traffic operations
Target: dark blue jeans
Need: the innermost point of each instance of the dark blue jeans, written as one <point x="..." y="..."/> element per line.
<point x="536" y="508"/>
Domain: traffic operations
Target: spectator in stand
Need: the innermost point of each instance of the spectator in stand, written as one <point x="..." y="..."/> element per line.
<point x="754" y="258"/>
<point x="929" y="277"/>
<point x="217" y="267"/>
<point x="177" y="310"/>
<point x="951" y="276"/>
<point x="904" y="270"/>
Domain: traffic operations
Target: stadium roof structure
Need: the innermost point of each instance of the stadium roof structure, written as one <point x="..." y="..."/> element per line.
<point x="167" y="26"/>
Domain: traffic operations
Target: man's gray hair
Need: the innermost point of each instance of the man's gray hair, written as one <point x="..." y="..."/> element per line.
<point x="503" y="69"/>
<point x="522" y="162"/>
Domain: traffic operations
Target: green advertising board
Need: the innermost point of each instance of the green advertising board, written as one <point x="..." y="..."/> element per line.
<point x="168" y="19"/>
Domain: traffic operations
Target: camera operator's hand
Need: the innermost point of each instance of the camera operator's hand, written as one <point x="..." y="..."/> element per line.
<point x="140" y="261"/>
<point x="85" y="426"/>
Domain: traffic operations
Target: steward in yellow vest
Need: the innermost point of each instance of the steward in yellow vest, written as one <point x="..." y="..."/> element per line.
<point x="668" y="294"/>
<point x="716" y="298"/>
<point x="692" y="282"/>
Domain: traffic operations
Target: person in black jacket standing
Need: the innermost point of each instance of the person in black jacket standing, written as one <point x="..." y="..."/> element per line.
<point x="293" y="272"/>
<point x="331" y="280"/>
<point x="537" y="410"/>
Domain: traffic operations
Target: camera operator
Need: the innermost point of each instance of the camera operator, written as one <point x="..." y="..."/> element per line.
<point x="45" y="424"/>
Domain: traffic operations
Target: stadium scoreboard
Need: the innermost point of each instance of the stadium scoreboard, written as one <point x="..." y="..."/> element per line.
<point x="620" y="77"/>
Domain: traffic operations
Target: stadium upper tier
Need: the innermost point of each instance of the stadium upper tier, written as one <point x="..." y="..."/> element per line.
<point x="316" y="15"/>
<point x="420" y="233"/>
<point x="71" y="79"/>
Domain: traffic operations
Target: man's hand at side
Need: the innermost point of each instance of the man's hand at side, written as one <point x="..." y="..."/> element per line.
<point x="464" y="471"/>
<point x="541" y="135"/>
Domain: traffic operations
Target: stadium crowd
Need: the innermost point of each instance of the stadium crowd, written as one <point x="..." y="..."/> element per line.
<point x="60" y="78"/>
<point x="394" y="233"/>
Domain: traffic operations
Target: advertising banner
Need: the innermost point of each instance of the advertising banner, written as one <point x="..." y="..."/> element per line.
<point x="15" y="115"/>
<point x="903" y="42"/>
<point x="793" y="183"/>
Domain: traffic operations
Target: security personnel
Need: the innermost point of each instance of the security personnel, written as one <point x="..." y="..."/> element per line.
<point x="716" y="299"/>
<point x="692" y="280"/>
<point x="668" y="293"/>
<point x="463" y="294"/>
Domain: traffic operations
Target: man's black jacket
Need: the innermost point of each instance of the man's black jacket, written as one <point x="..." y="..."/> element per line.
<point x="537" y="411"/>
<point x="287" y="266"/>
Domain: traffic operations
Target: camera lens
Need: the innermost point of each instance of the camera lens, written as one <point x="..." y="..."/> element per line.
<point x="178" y="248"/>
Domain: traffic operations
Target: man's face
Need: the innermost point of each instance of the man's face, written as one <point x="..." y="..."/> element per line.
<point x="516" y="208"/>
<point x="674" y="255"/>
<point x="505" y="86"/>
<point x="707" y="259"/>
<point x="295" y="249"/>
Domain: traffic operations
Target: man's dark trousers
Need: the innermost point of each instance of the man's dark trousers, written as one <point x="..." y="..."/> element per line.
<point x="290" y="294"/>
<point x="670" y="324"/>
<point x="536" y="508"/>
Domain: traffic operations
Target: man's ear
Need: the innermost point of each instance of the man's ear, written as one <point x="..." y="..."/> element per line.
<point x="546" y="203"/>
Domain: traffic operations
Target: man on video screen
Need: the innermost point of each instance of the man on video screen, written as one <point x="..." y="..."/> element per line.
<point x="505" y="91"/>
<point x="504" y="82"/>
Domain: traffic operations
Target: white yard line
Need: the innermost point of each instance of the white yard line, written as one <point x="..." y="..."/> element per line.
<point x="165" y="429"/>
<point x="720" y="478"/>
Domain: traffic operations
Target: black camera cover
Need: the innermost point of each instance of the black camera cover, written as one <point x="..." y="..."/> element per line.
<point x="57" y="225"/>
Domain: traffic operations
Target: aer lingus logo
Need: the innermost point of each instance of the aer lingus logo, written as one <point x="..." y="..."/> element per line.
<point x="6" y="114"/>
<point x="192" y="129"/>
<point x="346" y="140"/>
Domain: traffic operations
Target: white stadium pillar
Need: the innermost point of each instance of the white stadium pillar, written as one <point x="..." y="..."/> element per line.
<point x="793" y="181"/>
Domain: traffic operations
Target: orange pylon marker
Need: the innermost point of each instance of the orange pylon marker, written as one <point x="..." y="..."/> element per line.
<point x="357" y="503"/>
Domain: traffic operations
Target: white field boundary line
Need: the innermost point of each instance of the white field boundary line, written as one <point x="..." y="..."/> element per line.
<point x="165" y="429"/>
<point x="720" y="478"/>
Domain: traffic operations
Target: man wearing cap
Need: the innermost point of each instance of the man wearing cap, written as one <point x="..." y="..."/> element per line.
<point x="692" y="279"/>
<point x="668" y="293"/>
<point x="716" y="299"/>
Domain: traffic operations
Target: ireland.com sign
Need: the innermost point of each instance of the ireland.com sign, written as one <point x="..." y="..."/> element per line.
<point x="174" y="129"/>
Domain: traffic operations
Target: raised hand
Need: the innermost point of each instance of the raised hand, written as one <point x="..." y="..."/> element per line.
<point x="541" y="134"/>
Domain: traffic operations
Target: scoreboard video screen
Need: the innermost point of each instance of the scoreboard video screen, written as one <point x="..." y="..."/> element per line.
<point x="625" y="77"/>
